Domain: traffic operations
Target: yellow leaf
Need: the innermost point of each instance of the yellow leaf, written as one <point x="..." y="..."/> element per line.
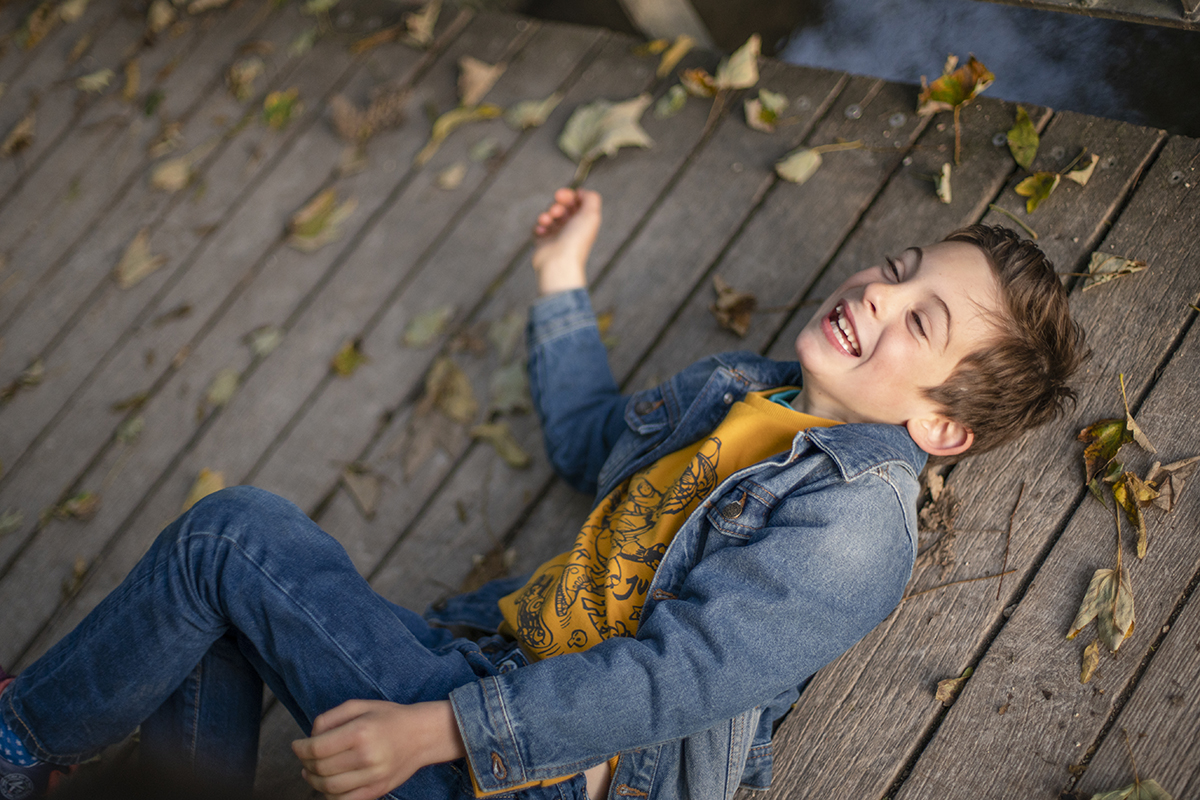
<point x="21" y="135"/>
<point x="1082" y="175"/>
<point x="698" y="82"/>
<point x="500" y="437"/>
<point x="349" y="358"/>
<point x="133" y="79"/>
<point x="678" y="49"/>
<point x="476" y="79"/>
<point x="138" y="262"/>
<point x="955" y="87"/>
<point x="740" y="70"/>
<point x="172" y="175"/>
<point x="241" y="76"/>
<point x="799" y="165"/>
<point x="280" y="107"/>
<point x="95" y="81"/>
<point x="1105" y="267"/>
<point x="159" y="17"/>
<point x="1091" y="660"/>
<point x="207" y="482"/>
<point x="71" y="10"/>
<point x="1109" y="601"/>
<point x="220" y="390"/>
<point x="942" y="183"/>
<point x="452" y="176"/>
<point x="532" y="113"/>
<point x="319" y="221"/>
<point x="420" y="24"/>
<point x="451" y="121"/>
<point x="1037" y="187"/>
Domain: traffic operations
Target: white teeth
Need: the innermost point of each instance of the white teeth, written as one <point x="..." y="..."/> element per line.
<point x="845" y="331"/>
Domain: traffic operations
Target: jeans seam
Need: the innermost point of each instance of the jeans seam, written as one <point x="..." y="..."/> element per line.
<point x="319" y="625"/>
<point x="195" y="738"/>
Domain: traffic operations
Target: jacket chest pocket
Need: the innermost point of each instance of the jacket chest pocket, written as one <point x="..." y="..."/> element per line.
<point x="743" y="511"/>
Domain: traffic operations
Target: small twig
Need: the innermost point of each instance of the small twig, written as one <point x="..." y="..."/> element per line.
<point x="1132" y="760"/>
<point x="1013" y="217"/>
<point x="955" y="583"/>
<point x="1008" y="538"/>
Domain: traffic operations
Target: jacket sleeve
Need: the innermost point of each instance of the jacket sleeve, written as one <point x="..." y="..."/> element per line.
<point x="750" y="620"/>
<point x="577" y="399"/>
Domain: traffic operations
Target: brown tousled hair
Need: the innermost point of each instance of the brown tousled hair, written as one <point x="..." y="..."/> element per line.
<point x="1019" y="380"/>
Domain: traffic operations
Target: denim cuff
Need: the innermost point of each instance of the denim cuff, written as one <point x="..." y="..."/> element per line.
<point x="487" y="734"/>
<point x="558" y="315"/>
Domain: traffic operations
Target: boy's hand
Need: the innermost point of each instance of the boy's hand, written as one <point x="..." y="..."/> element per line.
<point x="565" y="233"/>
<point x="363" y="749"/>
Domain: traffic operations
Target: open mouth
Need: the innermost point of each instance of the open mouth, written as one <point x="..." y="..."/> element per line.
<point x="843" y="330"/>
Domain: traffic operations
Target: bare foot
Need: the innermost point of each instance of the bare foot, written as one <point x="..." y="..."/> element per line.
<point x="565" y="234"/>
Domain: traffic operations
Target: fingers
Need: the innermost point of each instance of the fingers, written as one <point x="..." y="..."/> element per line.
<point x="566" y="203"/>
<point x="338" y="715"/>
<point x="357" y="785"/>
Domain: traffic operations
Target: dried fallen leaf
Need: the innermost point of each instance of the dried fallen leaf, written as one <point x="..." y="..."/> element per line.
<point x="74" y="582"/>
<point x="424" y="435"/>
<point x="603" y="127"/>
<point x="499" y="436"/>
<point x="799" y="165"/>
<point x="1091" y="660"/>
<point x="733" y="309"/>
<point x="673" y="54"/>
<point x="1133" y="427"/>
<point x="159" y="17"/>
<point x="319" y="221"/>
<point x="483" y="150"/>
<point x="508" y="390"/>
<point x="349" y="358"/>
<point x="427" y="326"/>
<point x="172" y="175"/>
<point x="532" y="113"/>
<point x="1168" y="480"/>
<point x="452" y="176"/>
<point x="448" y="389"/>
<point x="138" y="262"/>
<point x="1109" y="601"/>
<point x="955" y="87"/>
<point x="221" y="388"/>
<point x="80" y="47"/>
<point x="1138" y="790"/>
<point x="1133" y="495"/>
<point x="207" y="482"/>
<point x="1105" y="267"/>
<point x="1037" y="187"/>
<point x="671" y="103"/>
<point x="96" y="81"/>
<point x="449" y="122"/>
<point x="1103" y="439"/>
<point x="1083" y="174"/>
<point x="476" y="78"/>
<point x="948" y="689"/>
<point x="241" y="76"/>
<point x="81" y="506"/>
<point x="698" y="82"/>
<point x="11" y="521"/>
<point x="505" y="334"/>
<point x="43" y="19"/>
<point x="263" y="340"/>
<point x="942" y="184"/>
<point x="200" y="6"/>
<point x="32" y="375"/>
<point x="376" y="39"/>
<point x="364" y="485"/>
<point x="129" y="431"/>
<point x="71" y="10"/>
<point x="131" y="403"/>
<point x="20" y="136"/>
<point x="420" y="24"/>
<point x="303" y="42"/>
<point x="280" y="106"/>
<point x="1023" y="139"/>
<point x="133" y="79"/>
<point x="652" y="47"/>
<point x="740" y="70"/>
<point x="763" y="112"/>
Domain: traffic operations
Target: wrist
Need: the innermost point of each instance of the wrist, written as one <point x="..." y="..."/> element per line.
<point x="556" y="278"/>
<point x="445" y="742"/>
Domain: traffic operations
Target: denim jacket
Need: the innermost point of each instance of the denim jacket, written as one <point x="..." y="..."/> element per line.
<point x="782" y="568"/>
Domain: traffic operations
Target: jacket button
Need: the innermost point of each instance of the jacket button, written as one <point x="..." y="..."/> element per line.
<point x="643" y="407"/>
<point x="733" y="510"/>
<point x="728" y="398"/>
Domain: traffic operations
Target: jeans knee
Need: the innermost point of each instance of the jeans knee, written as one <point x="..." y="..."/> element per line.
<point x="243" y="511"/>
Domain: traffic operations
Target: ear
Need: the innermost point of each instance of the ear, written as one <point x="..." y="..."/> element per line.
<point x="939" y="435"/>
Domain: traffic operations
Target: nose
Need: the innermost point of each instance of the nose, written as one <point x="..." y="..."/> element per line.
<point x="879" y="296"/>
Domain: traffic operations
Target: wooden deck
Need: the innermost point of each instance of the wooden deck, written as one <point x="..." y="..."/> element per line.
<point x="690" y="207"/>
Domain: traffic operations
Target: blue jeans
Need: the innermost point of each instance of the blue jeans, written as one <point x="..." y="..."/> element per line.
<point x="242" y="589"/>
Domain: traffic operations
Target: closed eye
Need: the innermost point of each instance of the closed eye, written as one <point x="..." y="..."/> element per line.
<point x="920" y="328"/>
<point x="893" y="267"/>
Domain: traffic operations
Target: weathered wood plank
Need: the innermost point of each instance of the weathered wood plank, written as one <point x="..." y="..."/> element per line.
<point x="65" y="277"/>
<point x="46" y="83"/>
<point x="216" y="270"/>
<point x="53" y="431"/>
<point x="1162" y="717"/>
<point x="856" y="710"/>
<point x="1133" y="326"/>
<point x="155" y="507"/>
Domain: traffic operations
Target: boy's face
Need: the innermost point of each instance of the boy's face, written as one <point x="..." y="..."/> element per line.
<point x="892" y="330"/>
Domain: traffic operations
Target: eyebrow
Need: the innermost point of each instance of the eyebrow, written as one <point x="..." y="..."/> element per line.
<point x="938" y="298"/>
